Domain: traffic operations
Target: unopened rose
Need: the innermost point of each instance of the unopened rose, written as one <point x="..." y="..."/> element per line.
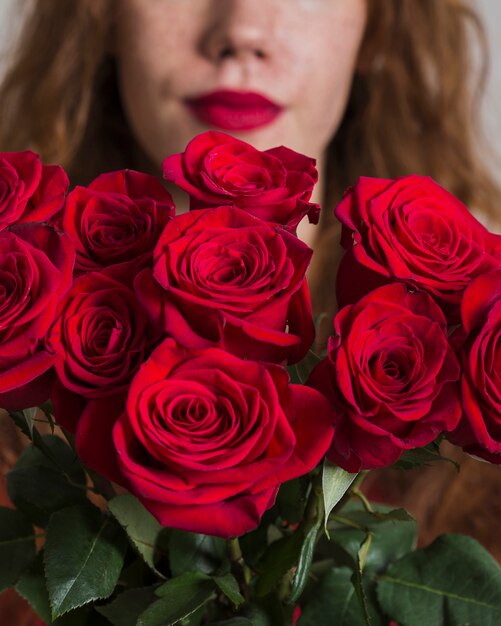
<point x="221" y="277"/>
<point x="217" y="169"/>
<point x="35" y="271"/>
<point x="391" y="376"/>
<point x="116" y="219"/>
<point x="206" y="438"/>
<point x="29" y="191"/>
<point x="479" y="431"/>
<point x="411" y="229"/>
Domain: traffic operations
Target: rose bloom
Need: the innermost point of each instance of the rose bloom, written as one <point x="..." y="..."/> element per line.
<point x="224" y="278"/>
<point x="274" y="185"/>
<point x="391" y="376"/>
<point x="35" y="271"/>
<point x="29" y="191"/>
<point x="479" y="431"/>
<point x="206" y="438"/>
<point x="100" y="337"/>
<point x="413" y="230"/>
<point x="116" y="219"/>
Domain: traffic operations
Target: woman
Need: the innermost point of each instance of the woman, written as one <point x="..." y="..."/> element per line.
<point x="372" y="87"/>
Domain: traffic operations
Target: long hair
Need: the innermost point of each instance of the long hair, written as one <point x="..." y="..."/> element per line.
<point x="412" y="108"/>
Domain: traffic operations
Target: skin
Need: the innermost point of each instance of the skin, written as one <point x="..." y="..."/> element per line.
<point x="301" y="54"/>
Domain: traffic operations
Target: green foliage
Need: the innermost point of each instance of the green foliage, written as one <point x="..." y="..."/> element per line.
<point x="128" y="606"/>
<point x="305" y="560"/>
<point x="193" y="552"/>
<point x="31" y="586"/>
<point x="17" y="546"/>
<point x="452" y="581"/>
<point x="300" y="372"/>
<point x="291" y="499"/>
<point x="41" y="484"/>
<point x="335" y="483"/>
<point x="277" y="561"/>
<point x="84" y="553"/>
<point x="423" y="456"/>
<point x="229" y="586"/>
<point x="141" y="527"/>
<point x="179" y="598"/>
<point x="335" y="601"/>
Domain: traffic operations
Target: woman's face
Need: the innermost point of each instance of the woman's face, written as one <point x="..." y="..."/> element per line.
<point x="270" y="72"/>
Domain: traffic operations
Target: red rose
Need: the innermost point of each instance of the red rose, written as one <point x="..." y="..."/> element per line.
<point x="274" y="185"/>
<point x="391" y="376"/>
<point x="101" y="336"/>
<point x="35" y="271"/>
<point x="206" y="438"/>
<point x="479" y="431"/>
<point x="116" y="219"/>
<point x="29" y="191"/>
<point x="411" y="229"/>
<point x="222" y="277"/>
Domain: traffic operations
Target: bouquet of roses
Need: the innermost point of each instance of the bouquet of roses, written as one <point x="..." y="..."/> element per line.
<point x="207" y="463"/>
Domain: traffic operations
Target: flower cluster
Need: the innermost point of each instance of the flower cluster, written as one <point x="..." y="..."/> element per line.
<point x="419" y="273"/>
<point x="163" y="339"/>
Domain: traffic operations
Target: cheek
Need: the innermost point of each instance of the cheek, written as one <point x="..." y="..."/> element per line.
<point x="329" y="53"/>
<point x="152" y="50"/>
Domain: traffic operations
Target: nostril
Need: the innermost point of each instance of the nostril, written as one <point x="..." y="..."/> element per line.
<point x="226" y="52"/>
<point x="260" y="54"/>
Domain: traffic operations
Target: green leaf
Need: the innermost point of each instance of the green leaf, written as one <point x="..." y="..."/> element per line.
<point x="39" y="486"/>
<point x="229" y="586"/>
<point x="300" y="372"/>
<point x="335" y="483"/>
<point x="452" y="581"/>
<point x="31" y="586"/>
<point x="304" y="564"/>
<point x="84" y="553"/>
<point x="141" y="527"/>
<point x="128" y="606"/>
<point x="334" y="601"/>
<point x="291" y="499"/>
<point x="193" y="552"/>
<point x="27" y="427"/>
<point x="235" y="621"/>
<point x="277" y="561"/>
<point x="17" y="546"/>
<point x="357" y="579"/>
<point x="390" y="538"/>
<point x="179" y="598"/>
<point x="423" y="456"/>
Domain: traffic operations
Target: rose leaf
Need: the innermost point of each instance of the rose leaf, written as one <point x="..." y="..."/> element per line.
<point x="84" y="554"/>
<point x="452" y="581"/>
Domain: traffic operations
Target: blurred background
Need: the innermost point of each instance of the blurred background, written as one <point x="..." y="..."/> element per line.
<point x="490" y="11"/>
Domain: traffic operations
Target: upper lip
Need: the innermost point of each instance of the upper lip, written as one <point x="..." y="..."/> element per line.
<point x="234" y="99"/>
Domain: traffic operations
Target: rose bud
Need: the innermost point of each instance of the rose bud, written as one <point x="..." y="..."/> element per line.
<point x="29" y="191"/>
<point x="116" y="219"/>
<point x="412" y="230"/>
<point x="35" y="271"/>
<point x="221" y="277"/>
<point x="479" y="431"/>
<point x="217" y="169"/>
<point x="391" y="376"/>
<point x="205" y="439"/>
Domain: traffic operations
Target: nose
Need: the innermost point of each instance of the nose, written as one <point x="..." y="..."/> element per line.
<point x="236" y="29"/>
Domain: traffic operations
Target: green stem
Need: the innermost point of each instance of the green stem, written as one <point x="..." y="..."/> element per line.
<point x="239" y="567"/>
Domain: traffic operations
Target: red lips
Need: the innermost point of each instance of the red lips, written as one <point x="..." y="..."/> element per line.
<point x="234" y="110"/>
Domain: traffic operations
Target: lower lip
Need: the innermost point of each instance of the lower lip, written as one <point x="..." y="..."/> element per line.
<point x="230" y="117"/>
